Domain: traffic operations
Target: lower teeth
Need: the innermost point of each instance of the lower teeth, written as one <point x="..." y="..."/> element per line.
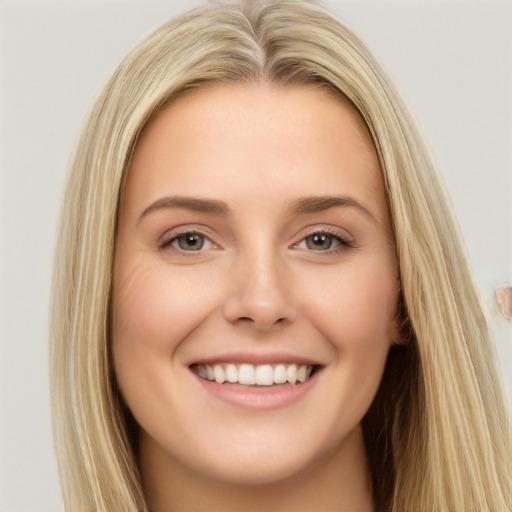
<point x="296" y="383"/>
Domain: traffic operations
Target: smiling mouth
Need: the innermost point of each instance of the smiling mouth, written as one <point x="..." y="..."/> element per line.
<point x="255" y="375"/>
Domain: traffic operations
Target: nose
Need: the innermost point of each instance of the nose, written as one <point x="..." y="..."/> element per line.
<point x="261" y="293"/>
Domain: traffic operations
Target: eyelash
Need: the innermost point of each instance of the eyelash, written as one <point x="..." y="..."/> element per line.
<point x="342" y="242"/>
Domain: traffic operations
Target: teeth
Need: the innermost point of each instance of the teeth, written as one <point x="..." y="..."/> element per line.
<point x="201" y="371"/>
<point x="250" y="375"/>
<point x="246" y="374"/>
<point x="264" y="375"/>
<point x="218" y="374"/>
<point x="231" y="373"/>
<point x="302" y="373"/>
<point x="291" y="374"/>
<point x="280" y="374"/>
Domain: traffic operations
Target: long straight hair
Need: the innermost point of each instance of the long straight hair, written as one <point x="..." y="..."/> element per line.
<point x="437" y="435"/>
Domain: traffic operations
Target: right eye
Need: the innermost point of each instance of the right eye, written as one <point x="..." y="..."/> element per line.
<point x="188" y="241"/>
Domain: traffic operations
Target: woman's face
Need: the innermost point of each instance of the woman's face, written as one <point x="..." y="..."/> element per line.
<point x="254" y="245"/>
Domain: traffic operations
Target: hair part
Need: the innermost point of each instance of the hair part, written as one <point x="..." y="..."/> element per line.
<point x="437" y="434"/>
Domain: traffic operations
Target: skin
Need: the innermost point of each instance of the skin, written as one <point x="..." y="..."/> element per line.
<point x="259" y="285"/>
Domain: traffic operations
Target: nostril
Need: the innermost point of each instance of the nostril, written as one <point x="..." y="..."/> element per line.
<point x="261" y="323"/>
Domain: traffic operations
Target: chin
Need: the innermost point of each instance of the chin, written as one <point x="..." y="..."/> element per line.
<point x="258" y="472"/>
<point x="264" y="459"/>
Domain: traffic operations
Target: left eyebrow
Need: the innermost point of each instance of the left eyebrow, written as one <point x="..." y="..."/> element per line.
<point x="315" y="204"/>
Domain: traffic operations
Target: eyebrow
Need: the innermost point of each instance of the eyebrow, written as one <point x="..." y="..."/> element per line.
<point x="195" y="204"/>
<point x="304" y="205"/>
<point x="315" y="204"/>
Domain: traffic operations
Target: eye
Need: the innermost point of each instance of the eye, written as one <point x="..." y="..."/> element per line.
<point x="323" y="241"/>
<point x="320" y="241"/>
<point x="189" y="241"/>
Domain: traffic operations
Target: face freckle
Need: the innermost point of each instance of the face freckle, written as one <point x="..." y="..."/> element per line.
<point x="253" y="242"/>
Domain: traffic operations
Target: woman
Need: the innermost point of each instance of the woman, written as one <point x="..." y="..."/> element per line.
<point x="311" y="300"/>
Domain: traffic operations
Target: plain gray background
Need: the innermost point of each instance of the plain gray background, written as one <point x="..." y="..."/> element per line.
<point x="452" y="60"/>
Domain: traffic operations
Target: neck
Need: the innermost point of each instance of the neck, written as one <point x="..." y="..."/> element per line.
<point x="338" y="481"/>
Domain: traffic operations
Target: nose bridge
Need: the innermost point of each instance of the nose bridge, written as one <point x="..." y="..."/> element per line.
<point x="260" y="294"/>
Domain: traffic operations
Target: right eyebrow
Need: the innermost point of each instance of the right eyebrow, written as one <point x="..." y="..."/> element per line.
<point x="196" y="204"/>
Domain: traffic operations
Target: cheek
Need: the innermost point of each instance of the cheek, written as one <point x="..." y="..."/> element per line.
<point x="356" y="313"/>
<point x="156" y="308"/>
<point x="361" y="332"/>
<point x="357" y="309"/>
<point x="154" y="311"/>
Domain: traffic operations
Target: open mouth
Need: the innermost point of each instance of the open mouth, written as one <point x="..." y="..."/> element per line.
<point x="255" y="375"/>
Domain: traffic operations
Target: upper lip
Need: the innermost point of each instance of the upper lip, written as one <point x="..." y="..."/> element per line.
<point x="257" y="358"/>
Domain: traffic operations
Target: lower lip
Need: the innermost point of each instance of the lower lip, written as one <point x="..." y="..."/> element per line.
<point x="260" y="398"/>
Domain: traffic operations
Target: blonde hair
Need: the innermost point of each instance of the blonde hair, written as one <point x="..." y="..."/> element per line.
<point x="438" y="433"/>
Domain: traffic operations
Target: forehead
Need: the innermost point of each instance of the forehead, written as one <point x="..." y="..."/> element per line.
<point x="265" y="142"/>
<point x="293" y="110"/>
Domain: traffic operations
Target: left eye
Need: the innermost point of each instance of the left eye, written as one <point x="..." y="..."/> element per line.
<point x="320" y="242"/>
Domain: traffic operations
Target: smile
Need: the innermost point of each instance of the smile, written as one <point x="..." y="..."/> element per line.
<point x="254" y="375"/>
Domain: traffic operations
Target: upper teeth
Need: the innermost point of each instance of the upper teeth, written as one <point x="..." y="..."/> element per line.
<point x="249" y="375"/>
